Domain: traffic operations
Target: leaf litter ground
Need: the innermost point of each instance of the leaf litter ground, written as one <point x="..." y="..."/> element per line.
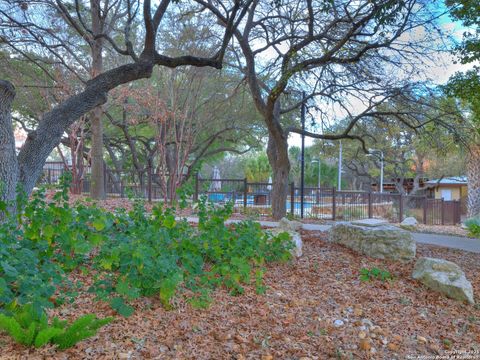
<point x="314" y="308"/>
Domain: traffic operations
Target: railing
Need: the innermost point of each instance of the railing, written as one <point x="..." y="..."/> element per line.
<point x="330" y="204"/>
<point x="256" y="198"/>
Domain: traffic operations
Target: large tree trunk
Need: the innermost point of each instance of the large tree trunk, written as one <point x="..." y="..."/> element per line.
<point x="8" y="158"/>
<point x="277" y="151"/>
<point x="49" y="132"/>
<point x="97" y="190"/>
<point x="473" y="175"/>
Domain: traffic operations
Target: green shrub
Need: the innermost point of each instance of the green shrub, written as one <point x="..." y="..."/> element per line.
<point x="473" y="226"/>
<point x="136" y="253"/>
<point x="29" y="328"/>
<point x="157" y="255"/>
<point x="375" y="273"/>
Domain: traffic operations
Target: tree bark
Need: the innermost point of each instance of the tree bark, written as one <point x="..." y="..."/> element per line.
<point x="473" y="176"/>
<point x="277" y="151"/>
<point x="8" y="159"/>
<point x="49" y="132"/>
<point x="97" y="189"/>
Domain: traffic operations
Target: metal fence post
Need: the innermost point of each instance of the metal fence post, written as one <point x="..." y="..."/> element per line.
<point x="245" y="189"/>
<point x="334" y="204"/>
<point x="292" y="198"/>
<point x="400" y="209"/>
<point x="149" y="182"/>
<point x="425" y="200"/>
<point x="370" y="209"/>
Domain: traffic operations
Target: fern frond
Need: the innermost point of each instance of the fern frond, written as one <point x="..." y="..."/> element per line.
<point x="12" y="327"/>
<point x="45" y="335"/>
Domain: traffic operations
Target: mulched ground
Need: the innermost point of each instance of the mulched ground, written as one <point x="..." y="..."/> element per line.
<point x="294" y="319"/>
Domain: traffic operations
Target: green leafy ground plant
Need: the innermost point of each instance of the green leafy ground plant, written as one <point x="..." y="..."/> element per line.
<point x="375" y="274"/>
<point x="29" y="328"/>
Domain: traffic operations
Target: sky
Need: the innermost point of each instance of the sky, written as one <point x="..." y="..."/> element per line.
<point x="436" y="72"/>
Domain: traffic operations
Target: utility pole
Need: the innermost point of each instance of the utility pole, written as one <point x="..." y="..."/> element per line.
<point x="340" y="167"/>
<point x="302" y="160"/>
<point x="382" y="160"/>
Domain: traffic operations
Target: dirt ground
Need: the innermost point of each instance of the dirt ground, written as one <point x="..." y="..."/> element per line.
<point x="314" y="308"/>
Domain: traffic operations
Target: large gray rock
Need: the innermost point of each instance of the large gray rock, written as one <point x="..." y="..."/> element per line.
<point x="445" y="277"/>
<point x="409" y="223"/>
<point x="291" y="227"/>
<point x="372" y="222"/>
<point x="382" y="241"/>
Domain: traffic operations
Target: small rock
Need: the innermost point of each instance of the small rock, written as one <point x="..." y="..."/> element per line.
<point x="267" y="357"/>
<point x="397" y="338"/>
<point x="124" y="355"/>
<point x="362" y="334"/>
<point x="384" y="341"/>
<point x="358" y="312"/>
<point x="365" y="344"/>
<point x="409" y="223"/>
<point x="338" y="323"/>
<point x="421" y="340"/>
<point x="367" y="322"/>
<point x="373" y="350"/>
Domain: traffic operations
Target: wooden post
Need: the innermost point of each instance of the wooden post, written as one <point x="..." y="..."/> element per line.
<point x="245" y="190"/>
<point x="400" y="209"/>
<point x="292" y="198"/>
<point x="334" y="204"/>
<point x="425" y="200"/>
<point x="443" y="212"/>
<point x="370" y="209"/>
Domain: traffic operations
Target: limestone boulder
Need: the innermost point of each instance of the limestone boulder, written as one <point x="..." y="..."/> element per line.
<point x="409" y="223"/>
<point x="445" y="277"/>
<point x="292" y="228"/>
<point x="381" y="241"/>
<point x="289" y="225"/>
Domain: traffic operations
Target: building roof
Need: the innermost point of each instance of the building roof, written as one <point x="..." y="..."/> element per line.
<point x="454" y="180"/>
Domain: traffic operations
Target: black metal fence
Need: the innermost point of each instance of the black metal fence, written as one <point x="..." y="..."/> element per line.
<point x="255" y="198"/>
<point x="330" y="204"/>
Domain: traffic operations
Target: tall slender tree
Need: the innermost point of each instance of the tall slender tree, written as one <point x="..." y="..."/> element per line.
<point x="466" y="87"/>
<point x="336" y="51"/>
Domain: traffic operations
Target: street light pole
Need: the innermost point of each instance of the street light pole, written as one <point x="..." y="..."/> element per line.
<point x="302" y="172"/>
<point x="319" y="174"/>
<point x="340" y="167"/>
<point x="317" y="161"/>
<point x="381" y="171"/>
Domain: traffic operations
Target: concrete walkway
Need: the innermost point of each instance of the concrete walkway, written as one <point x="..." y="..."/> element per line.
<point x="450" y="241"/>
